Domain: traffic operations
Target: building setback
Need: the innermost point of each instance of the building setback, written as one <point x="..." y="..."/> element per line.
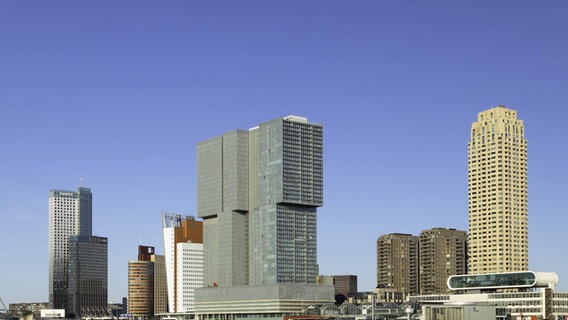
<point x="498" y="198"/>
<point x="442" y="253"/>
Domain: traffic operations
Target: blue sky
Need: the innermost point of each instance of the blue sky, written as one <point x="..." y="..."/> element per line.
<point x="120" y="93"/>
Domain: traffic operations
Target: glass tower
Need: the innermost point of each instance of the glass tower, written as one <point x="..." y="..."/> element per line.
<point x="258" y="192"/>
<point x="497" y="174"/>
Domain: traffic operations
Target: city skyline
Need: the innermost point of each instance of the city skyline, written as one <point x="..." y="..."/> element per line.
<point x="396" y="86"/>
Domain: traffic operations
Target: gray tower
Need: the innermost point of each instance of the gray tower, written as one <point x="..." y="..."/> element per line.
<point x="70" y="213"/>
<point x="258" y="191"/>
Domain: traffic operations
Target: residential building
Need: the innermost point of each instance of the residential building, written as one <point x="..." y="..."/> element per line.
<point x="442" y="253"/>
<point x="258" y="194"/>
<point x="183" y="262"/>
<point x="70" y="213"/>
<point x="498" y="197"/>
<point x="88" y="276"/>
<point x="19" y="310"/>
<point x="398" y="264"/>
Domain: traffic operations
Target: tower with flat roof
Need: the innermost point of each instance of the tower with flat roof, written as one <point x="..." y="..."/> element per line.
<point x="70" y="213"/>
<point x="498" y="198"/>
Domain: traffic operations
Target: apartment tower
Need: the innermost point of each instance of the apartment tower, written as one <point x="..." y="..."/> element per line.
<point x="498" y="199"/>
<point x="442" y="253"/>
<point x="70" y="213"/>
<point x="397" y="264"/>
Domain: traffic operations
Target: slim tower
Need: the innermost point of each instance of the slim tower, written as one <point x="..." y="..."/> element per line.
<point x="397" y="264"/>
<point x="442" y="254"/>
<point x="497" y="174"/>
<point x="70" y="213"/>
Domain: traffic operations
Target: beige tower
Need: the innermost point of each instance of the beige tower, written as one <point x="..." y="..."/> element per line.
<point x="497" y="172"/>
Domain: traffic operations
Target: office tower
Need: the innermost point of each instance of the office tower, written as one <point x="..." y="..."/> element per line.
<point x="498" y="213"/>
<point x="442" y="254"/>
<point x="141" y="283"/>
<point x="70" y="213"/>
<point x="345" y="284"/>
<point x="183" y="262"/>
<point x="160" y="284"/>
<point x="88" y="275"/>
<point x="397" y="264"/>
<point x="258" y="192"/>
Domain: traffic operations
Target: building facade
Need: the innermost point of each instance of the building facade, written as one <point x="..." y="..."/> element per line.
<point x="345" y="284"/>
<point x="397" y="263"/>
<point x="141" y="283"/>
<point x="88" y="276"/>
<point x="442" y="253"/>
<point x="160" y="284"/>
<point x="258" y="193"/>
<point x="183" y="262"/>
<point x="70" y="213"/>
<point x="498" y="198"/>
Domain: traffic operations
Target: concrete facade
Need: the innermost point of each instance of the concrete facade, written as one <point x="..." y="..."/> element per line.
<point x="397" y="263"/>
<point x="498" y="197"/>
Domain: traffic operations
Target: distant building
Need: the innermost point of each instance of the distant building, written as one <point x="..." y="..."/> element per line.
<point x="19" y="310"/>
<point x="88" y="276"/>
<point x="160" y="285"/>
<point x="183" y="245"/>
<point x="498" y="196"/>
<point x="397" y="264"/>
<point x="70" y="213"/>
<point x="442" y="253"/>
<point x="345" y="284"/>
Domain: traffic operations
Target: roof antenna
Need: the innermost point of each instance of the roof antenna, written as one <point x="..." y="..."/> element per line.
<point x="81" y="181"/>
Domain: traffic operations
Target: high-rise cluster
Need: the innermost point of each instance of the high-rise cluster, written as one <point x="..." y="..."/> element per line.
<point x="78" y="276"/>
<point x="410" y="265"/>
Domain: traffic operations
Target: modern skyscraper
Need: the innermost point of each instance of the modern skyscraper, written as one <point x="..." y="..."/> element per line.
<point x="88" y="276"/>
<point x="258" y="193"/>
<point x="70" y="213"/>
<point x="183" y="245"/>
<point x="160" y="284"/>
<point x="498" y="199"/>
<point x="442" y="254"/>
<point x="398" y="263"/>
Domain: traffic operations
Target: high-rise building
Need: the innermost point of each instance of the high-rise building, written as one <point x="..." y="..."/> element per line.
<point x="88" y="276"/>
<point x="498" y="199"/>
<point x="183" y="245"/>
<point x="70" y="213"/>
<point x="160" y="284"/>
<point x="141" y="283"/>
<point x="398" y="264"/>
<point x="442" y="253"/>
<point x="258" y="193"/>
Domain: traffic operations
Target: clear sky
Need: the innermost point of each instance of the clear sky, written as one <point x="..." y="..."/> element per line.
<point x="120" y="93"/>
